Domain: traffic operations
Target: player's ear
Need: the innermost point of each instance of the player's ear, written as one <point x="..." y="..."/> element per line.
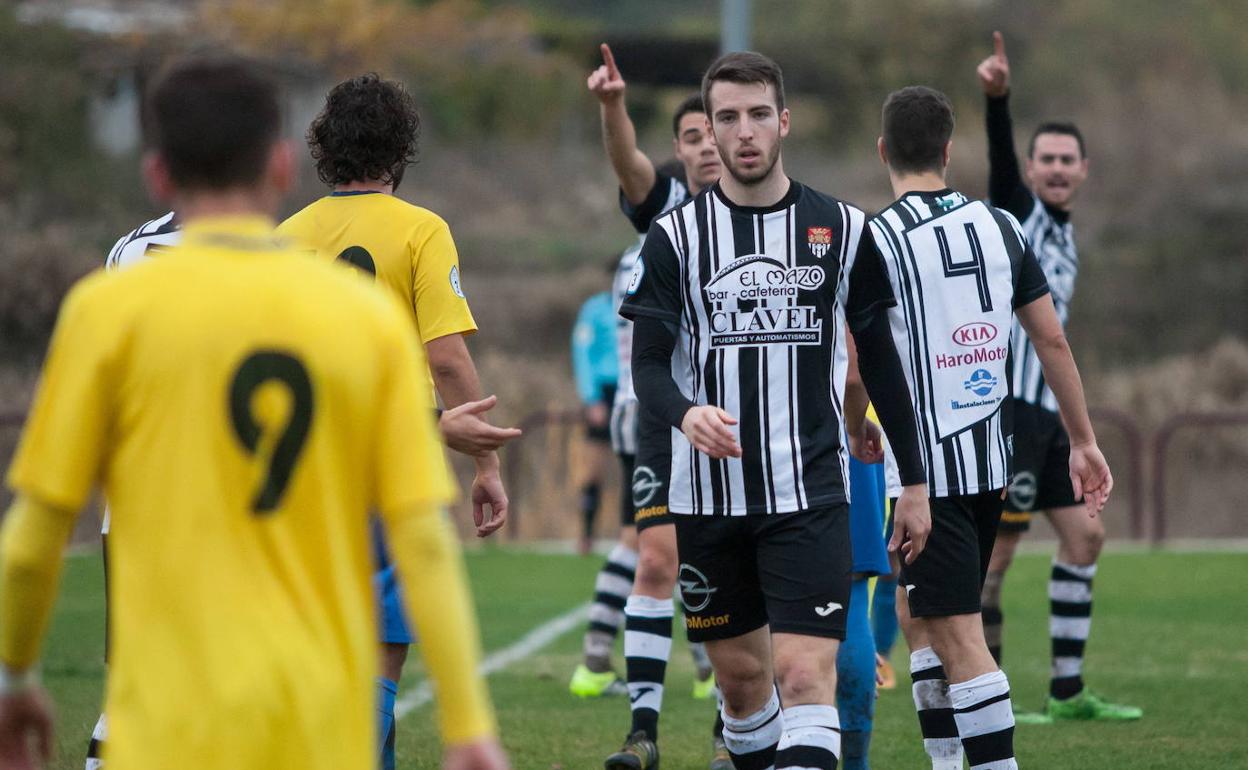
<point x="157" y="178"/>
<point x="944" y="161"/>
<point x="784" y="122"/>
<point x="883" y="153"/>
<point x="281" y="167"/>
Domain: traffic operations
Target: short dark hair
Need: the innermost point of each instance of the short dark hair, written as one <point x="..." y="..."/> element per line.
<point x="918" y="122"/>
<point x="691" y="103"/>
<point x="368" y="130"/>
<point x="743" y="67"/>
<point x="213" y="118"/>
<point x="1057" y="127"/>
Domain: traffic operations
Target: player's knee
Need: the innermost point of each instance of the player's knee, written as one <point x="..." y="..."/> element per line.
<point x="1094" y="538"/>
<point x="743" y="684"/>
<point x="656" y="572"/>
<point x="806" y="674"/>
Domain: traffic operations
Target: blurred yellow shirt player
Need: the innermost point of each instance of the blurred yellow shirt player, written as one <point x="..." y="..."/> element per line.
<point x="244" y="408"/>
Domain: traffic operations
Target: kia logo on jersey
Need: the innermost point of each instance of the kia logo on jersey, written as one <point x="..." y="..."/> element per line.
<point x="974" y="334"/>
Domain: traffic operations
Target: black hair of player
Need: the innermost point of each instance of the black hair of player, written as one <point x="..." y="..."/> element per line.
<point x="675" y="169"/>
<point x="213" y="119"/>
<point x="743" y="67"/>
<point x="690" y="104"/>
<point x="368" y="131"/>
<point x="1063" y="127"/>
<point x="917" y="124"/>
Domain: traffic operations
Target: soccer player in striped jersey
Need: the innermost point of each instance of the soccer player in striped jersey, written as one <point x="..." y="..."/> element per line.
<point x="218" y="396"/>
<point x="740" y="310"/>
<point x="645" y="193"/>
<point x="962" y="271"/>
<point x="1042" y="199"/>
<point x="362" y="141"/>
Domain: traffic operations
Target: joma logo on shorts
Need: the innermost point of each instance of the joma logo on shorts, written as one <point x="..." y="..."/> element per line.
<point x="708" y="622"/>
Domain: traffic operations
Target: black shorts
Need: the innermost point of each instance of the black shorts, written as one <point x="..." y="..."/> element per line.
<point x="947" y="577"/>
<point x="1041" y="479"/>
<point x="791" y="571"/>
<point x="601" y="434"/>
<point x="651" y="472"/>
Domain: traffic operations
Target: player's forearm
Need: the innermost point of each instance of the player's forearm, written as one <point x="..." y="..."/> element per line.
<point x="32" y="542"/>
<point x="1062" y="376"/>
<point x="431" y="565"/>
<point x="1005" y="183"/>
<point x="653" y="343"/>
<point x="885" y="382"/>
<point x="633" y="169"/>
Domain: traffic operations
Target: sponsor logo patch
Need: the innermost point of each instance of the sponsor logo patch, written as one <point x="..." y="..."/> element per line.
<point x="455" y="287"/>
<point x="645" y="486"/>
<point x="974" y="334"/>
<point x="1023" y="490"/>
<point x="711" y="621"/>
<point x="695" y="589"/>
<point x="755" y="303"/>
<point x="981" y="382"/>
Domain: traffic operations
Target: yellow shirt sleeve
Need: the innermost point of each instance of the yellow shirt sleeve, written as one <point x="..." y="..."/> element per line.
<point x="61" y="454"/>
<point x="437" y="291"/>
<point x="32" y="544"/>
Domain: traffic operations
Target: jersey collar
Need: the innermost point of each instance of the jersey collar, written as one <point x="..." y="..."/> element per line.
<point x="244" y="232"/>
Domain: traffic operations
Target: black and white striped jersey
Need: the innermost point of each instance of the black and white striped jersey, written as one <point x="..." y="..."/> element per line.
<point x="759" y="298"/>
<point x="624" y="410"/>
<point x="1053" y="241"/>
<point x="133" y="247"/>
<point x="148" y="237"/>
<point x="667" y="193"/>
<point x="958" y="268"/>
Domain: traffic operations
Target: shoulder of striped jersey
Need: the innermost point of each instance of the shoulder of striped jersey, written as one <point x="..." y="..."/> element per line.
<point x="132" y="246"/>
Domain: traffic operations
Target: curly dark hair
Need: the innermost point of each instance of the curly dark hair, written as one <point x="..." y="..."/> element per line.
<point x="369" y="130"/>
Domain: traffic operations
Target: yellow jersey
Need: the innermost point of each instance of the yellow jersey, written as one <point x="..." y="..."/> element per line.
<point x="408" y="248"/>
<point x="244" y="407"/>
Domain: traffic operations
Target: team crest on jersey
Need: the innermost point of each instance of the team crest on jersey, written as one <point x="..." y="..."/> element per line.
<point x="819" y="239"/>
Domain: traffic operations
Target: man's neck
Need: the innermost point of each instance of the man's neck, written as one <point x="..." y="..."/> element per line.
<point x="928" y="181"/>
<point x="766" y="192"/>
<point x="371" y="185"/>
<point x="226" y="203"/>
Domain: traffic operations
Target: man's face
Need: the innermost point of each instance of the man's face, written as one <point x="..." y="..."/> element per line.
<point x="695" y="147"/>
<point x="1056" y="169"/>
<point x="748" y="129"/>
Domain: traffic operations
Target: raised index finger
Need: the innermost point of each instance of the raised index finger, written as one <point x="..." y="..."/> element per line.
<point x="998" y="45"/>
<point x="612" y="71"/>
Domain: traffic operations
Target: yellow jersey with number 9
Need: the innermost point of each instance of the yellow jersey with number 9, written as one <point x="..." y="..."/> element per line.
<point x="244" y="407"/>
<point x="408" y="248"/>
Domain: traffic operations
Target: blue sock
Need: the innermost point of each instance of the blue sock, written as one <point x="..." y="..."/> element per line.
<point x="884" y="615"/>
<point x="855" y="681"/>
<point x="386" y="690"/>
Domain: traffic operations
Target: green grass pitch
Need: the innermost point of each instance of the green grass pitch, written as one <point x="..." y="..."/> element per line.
<point x="1168" y="635"/>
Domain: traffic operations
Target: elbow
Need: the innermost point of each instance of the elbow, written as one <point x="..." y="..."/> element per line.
<point x="1054" y="343"/>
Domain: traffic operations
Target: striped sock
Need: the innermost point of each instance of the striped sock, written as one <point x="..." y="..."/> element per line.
<point x="96" y="747"/>
<point x="647" y="646"/>
<point x="931" y="700"/>
<point x="752" y="740"/>
<point x="812" y="738"/>
<point x="606" y="614"/>
<point x="985" y="720"/>
<point x="1070" y="620"/>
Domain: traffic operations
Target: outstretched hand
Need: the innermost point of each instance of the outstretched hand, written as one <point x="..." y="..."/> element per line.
<point x="606" y="82"/>
<point x="994" y="72"/>
<point x="1090" y="476"/>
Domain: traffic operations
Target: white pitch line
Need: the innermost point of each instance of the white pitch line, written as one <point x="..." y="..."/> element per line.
<point x="497" y="661"/>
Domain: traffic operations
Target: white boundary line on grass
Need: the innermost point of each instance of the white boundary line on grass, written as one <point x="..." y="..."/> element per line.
<point x="522" y="648"/>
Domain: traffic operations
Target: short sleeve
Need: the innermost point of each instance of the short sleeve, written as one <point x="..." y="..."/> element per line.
<point x="1030" y="283"/>
<point x="60" y="458"/>
<point x="654" y="289"/>
<point x="437" y="290"/>
<point x="662" y="196"/>
<point x="869" y="289"/>
<point x="410" y="464"/>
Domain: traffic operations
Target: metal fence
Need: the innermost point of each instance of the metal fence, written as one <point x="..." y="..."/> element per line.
<point x="543" y="482"/>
